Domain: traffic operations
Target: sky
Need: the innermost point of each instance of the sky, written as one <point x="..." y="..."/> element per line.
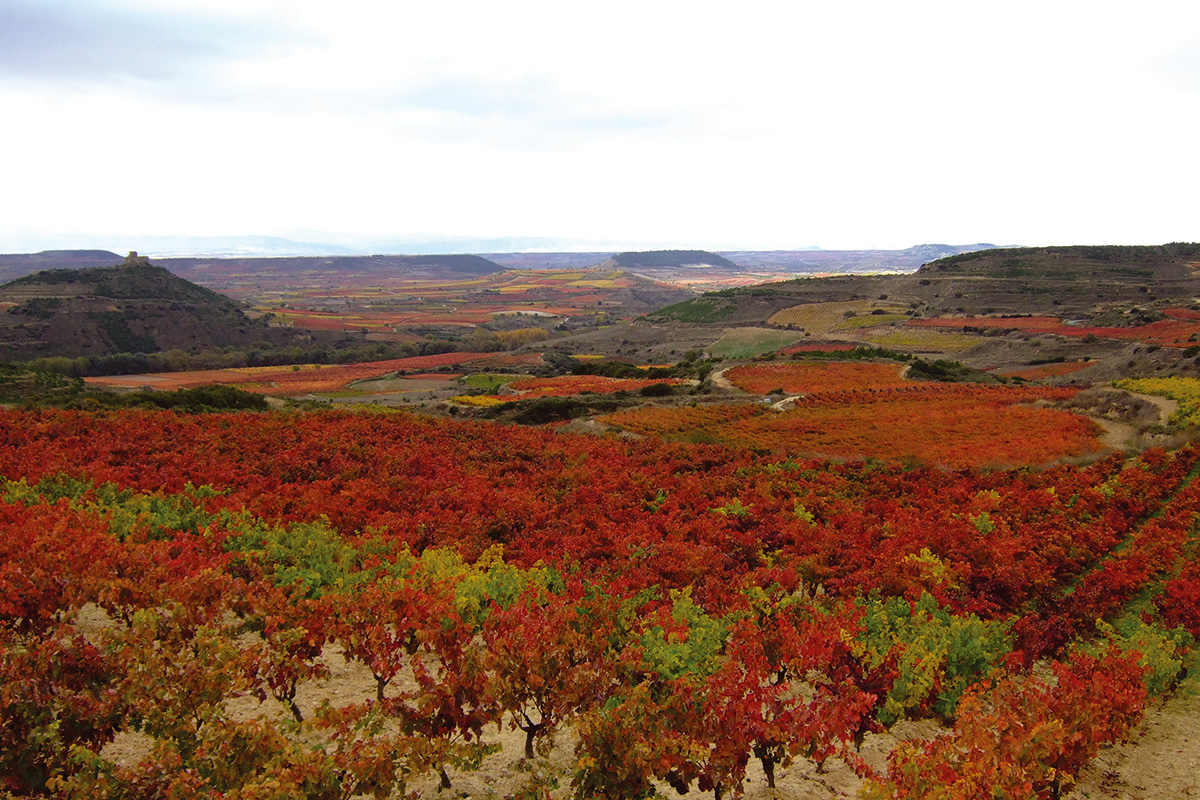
<point x="616" y="125"/>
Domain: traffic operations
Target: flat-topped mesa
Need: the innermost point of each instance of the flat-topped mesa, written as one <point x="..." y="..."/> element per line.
<point x="668" y="259"/>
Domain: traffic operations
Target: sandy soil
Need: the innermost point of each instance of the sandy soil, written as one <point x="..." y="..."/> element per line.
<point x="1161" y="761"/>
<point x="720" y="381"/>
<point x="506" y="772"/>
<point x="1117" y="435"/>
<point x="1121" y="435"/>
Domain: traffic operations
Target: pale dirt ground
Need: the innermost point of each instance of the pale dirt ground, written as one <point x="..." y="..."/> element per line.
<point x="1166" y="405"/>
<point x="1117" y="435"/>
<point x="1161" y="761"/>
<point x="720" y="381"/>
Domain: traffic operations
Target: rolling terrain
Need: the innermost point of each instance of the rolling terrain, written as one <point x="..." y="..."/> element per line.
<point x="888" y="536"/>
<point x="1122" y="308"/>
<point x="1071" y="316"/>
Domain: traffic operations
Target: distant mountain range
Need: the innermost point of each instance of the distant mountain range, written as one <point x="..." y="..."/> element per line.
<point x="329" y="244"/>
<point x="794" y="261"/>
<point x="197" y="268"/>
<point x="1074" y="282"/>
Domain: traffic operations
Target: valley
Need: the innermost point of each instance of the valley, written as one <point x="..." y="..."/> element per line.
<point x="516" y="525"/>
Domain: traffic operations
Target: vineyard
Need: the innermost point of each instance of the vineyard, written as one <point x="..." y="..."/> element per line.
<point x="640" y="616"/>
<point x="379" y="303"/>
<point x="824" y="317"/>
<point x="298" y="380"/>
<point x="956" y="427"/>
<point x="812" y="377"/>
<point x="750" y="342"/>
<point x="869" y="410"/>
<point x="917" y="339"/>
<point x="564" y="386"/>
<point x="1180" y="327"/>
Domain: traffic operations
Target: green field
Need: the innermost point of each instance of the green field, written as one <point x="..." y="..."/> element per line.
<point x="490" y="383"/>
<point x="750" y="342"/>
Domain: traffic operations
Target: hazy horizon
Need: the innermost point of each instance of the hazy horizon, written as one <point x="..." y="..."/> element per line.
<point x="263" y="246"/>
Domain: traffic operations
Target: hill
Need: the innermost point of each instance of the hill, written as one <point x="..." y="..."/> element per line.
<point x="214" y="269"/>
<point x="228" y="274"/>
<point x="1120" y="310"/>
<point x="1079" y="280"/>
<point x="669" y="259"/>
<point x="133" y="307"/>
<point x="1073" y="281"/>
<point x="462" y="263"/>
<point x="253" y="278"/>
<point x="849" y="261"/>
<point x="741" y="261"/>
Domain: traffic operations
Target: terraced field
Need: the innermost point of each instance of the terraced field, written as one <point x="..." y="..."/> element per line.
<point x="820" y="318"/>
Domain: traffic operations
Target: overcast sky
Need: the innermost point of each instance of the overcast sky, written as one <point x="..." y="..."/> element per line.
<point x="758" y="125"/>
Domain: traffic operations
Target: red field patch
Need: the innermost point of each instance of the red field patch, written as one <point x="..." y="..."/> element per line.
<point x="815" y="376"/>
<point x="169" y="381"/>
<point x="1165" y="332"/>
<point x="953" y="432"/>
<point x="1176" y="331"/>
<point x="287" y="382"/>
<point x="290" y="381"/>
<point x="1043" y="371"/>
<point x="950" y="425"/>
<point x="568" y="385"/>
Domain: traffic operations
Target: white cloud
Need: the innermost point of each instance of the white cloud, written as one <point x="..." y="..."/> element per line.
<point x="774" y="125"/>
<point x="77" y="45"/>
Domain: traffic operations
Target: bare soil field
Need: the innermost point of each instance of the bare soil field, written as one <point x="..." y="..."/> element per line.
<point x="1161" y="761"/>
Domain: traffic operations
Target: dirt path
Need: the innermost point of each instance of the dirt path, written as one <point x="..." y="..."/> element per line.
<point x="1166" y="406"/>
<point x="1117" y="435"/>
<point x="720" y="381"/>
